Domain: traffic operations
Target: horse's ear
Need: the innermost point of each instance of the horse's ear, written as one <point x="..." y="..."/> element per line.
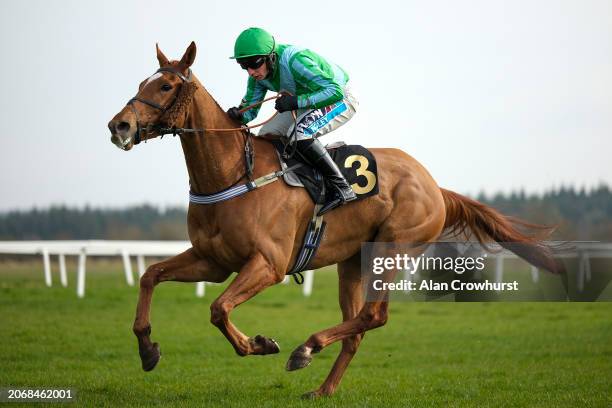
<point x="163" y="61"/>
<point x="189" y="55"/>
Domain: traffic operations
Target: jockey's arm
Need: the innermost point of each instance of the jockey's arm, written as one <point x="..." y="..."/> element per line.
<point x="255" y="93"/>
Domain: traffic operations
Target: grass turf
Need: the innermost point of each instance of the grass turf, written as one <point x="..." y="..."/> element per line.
<point x="429" y="354"/>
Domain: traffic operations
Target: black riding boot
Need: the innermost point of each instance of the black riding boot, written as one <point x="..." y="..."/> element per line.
<point x="313" y="151"/>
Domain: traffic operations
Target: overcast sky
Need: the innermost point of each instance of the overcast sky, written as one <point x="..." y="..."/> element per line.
<point x="489" y="95"/>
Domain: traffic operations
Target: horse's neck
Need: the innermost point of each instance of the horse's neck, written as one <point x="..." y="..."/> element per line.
<point x="214" y="159"/>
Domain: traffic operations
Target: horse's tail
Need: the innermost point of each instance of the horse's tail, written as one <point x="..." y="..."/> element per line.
<point x="488" y="224"/>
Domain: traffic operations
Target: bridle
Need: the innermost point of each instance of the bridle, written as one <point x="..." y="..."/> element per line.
<point x="161" y="131"/>
<point x="138" y="136"/>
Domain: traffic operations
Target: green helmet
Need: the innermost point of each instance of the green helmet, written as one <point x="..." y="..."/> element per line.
<point x="253" y="41"/>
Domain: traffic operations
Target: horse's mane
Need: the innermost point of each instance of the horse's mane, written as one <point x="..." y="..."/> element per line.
<point x="180" y="108"/>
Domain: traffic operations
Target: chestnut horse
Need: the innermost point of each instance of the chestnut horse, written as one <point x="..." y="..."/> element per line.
<point x="259" y="234"/>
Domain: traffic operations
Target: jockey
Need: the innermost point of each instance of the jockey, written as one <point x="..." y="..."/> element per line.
<point x="316" y="89"/>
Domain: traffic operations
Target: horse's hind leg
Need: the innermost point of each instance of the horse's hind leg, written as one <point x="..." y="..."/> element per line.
<point x="185" y="267"/>
<point x="373" y="314"/>
<point x="351" y="302"/>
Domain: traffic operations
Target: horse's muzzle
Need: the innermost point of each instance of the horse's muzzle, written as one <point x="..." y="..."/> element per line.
<point x="122" y="134"/>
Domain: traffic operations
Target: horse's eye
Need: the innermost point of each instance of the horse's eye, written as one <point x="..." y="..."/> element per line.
<point x="166" y="87"/>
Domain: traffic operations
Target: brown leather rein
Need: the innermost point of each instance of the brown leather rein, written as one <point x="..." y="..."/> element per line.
<point x="159" y="130"/>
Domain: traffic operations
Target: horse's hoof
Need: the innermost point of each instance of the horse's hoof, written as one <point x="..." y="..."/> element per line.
<point x="300" y="358"/>
<point x="264" y="345"/>
<point x="150" y="357"/>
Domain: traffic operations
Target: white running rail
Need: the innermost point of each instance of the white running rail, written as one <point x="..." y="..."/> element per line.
<point x="123" y="249"/>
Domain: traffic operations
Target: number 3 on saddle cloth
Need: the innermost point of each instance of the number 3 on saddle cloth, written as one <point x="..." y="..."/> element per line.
<point x="356" y="163"/>
<point x="359" y="168"/>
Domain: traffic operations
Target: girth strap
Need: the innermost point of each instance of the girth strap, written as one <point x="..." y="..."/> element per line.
<point x="310" y="245"/>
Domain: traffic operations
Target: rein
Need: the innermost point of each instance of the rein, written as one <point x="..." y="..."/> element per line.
<point x="161" y="131"/>
<point x="178" y="131"/>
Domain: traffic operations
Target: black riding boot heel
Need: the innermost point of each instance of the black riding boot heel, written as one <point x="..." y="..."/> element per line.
<point x="313" y="151"/>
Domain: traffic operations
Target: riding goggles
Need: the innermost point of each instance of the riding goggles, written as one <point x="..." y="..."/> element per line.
<point x="252" y="62"/>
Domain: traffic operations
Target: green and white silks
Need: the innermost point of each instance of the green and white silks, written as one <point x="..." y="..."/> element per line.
<point x="324" y="100"/>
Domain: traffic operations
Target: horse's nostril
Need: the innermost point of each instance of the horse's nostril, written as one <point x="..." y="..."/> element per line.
<point x="123" y="127"/>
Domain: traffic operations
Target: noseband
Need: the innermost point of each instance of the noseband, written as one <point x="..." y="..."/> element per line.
<point x="137" y="137"/>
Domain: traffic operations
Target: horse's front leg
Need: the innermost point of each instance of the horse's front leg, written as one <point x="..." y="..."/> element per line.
<point x="256" y="275"/>
<point x="185" y="267"/>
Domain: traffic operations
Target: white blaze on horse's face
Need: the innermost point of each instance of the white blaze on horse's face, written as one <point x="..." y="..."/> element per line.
<point x="153" y="78"/>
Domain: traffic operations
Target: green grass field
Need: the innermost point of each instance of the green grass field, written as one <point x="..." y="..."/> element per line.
<point x="428" y="355"/>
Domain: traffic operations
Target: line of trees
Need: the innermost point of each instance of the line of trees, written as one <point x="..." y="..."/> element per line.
<point x="580" y="214"/>
<point x="61" y="222"/>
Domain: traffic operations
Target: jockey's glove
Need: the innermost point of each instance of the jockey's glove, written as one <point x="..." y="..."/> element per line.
<point x="235" y="114"/>
<point x="286" y="103"/>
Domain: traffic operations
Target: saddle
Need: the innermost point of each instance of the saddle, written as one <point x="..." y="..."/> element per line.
<point x="356" y="162"/>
